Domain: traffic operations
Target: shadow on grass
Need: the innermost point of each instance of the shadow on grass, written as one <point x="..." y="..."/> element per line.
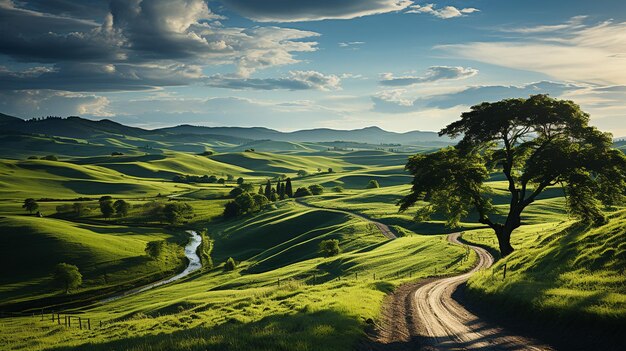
<point x="323" y="330"/>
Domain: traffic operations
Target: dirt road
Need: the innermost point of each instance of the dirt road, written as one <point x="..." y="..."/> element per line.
<point x="384" y="229"/>
<point x="425" y="316"/>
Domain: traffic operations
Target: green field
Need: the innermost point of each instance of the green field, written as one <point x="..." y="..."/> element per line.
<point x="283" y="295"/>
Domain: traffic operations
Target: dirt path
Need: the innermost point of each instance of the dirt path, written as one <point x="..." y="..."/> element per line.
<point x="384" y="229"/>
<point x="425" y="316"/>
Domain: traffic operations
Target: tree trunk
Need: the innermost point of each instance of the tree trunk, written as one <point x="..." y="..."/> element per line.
<point x="504" y="241"/>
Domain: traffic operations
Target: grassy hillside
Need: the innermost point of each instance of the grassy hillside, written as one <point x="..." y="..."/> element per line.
<point x="321" y="303"/>
<point x="106" y="255"/>
<point x="560" y="271"/>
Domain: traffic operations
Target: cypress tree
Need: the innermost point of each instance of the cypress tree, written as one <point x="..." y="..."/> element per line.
<point x="268" y="189"/>
<point x="288" y="188"/>
<point x="261" y="191"/>
<point x="281" y="191"/>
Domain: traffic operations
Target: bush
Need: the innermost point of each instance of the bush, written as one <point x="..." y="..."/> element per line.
<point x="330" y="247"/>
<point x="301" y="192"/>
<point x="247" y="187"/>
<point x="117" y="153"/>
<point x="231" y="210"/>
<point x="68" y="276"/>
<point x="50" y="158"/>
<point x="236" y="192"/>
<point x="302" y="173"/>
<point x="337" y="189"/>
<point x="33" y="158"/>
<point x="176" y="212"/>
<point x="316" y="189"/>
<point x="154" y="249"/>
<point x="206" y="153"/>
<point x="373" y="184"/>
<point x="230" y="264"/>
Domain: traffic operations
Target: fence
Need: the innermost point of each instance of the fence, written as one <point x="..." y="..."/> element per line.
<point x="68" y="320"/>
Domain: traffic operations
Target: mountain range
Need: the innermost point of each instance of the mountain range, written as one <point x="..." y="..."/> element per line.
<point x="77" y="127"/>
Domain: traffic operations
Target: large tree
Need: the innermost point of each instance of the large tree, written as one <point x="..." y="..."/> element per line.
<point x="534" y="143"/>
<point x="68" y="276"/>
<point x="30" y="205"/>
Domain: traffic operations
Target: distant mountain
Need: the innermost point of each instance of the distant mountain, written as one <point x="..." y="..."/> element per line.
<point x="77" y="127"/>
<point x="73" y="127"/>
<point x="370" y="135"/>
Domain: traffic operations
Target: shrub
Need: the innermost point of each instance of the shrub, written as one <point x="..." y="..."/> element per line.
<point x="154" y="249"/>
<point x="230" y="264"/>
<point x="206" y="153"/>
<point x="330" y="247"/>
<point x="302" y="173"/>
<point x="373" y="184"/>
<point x="301" y="192"/>
<point x="240" y="180"/>
<point x="247" y="187"/>
<point x="50" y="158"/>
<point x="117" y="153"/>
<point x="176" y="212"/>
<point x="316" y="189"/>
<point x="231" y="210"/>
<point x="33" y="157"/>
<point x="68" y="276"/>
<point x="236" y="192"/>
<point x="121" y="208"/>
<point x="337" y="189"/>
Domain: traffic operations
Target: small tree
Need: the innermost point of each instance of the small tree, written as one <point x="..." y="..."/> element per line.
<point x="232" y="209"/>
<point x="230" y="264"/>
<point x="302" y="173"/>
<point x="301" y="192"/>
<point x="319" y="170"/>
<point x="176" y="212"/>
<point x="154" y="249"/>
<point x="247" y="187"/>
<point x="50" y="158"/>
<point x="30" y="205"/>
<point x="240" y="180"/>
<point x="261" y="190"/>
<point x="230" y="177"/>
<point x="268" y="189"/>
<point x="288" y="188"/>
<point x="330" y="247"/>
<point x="337" y="189"/>
<point x="106" y="207"/>
<point x="245" y="202"/>
<point x="260" y="201"/>
<point x="221" y="181"/>
<point x="68" y="276"/>
<point x="316" y="189"/>
<point x="121" y="208"/>
<point x="330" y="170"/>
<point x="236" y="192"/>
<point x="373" y="184"/>
<point x="79" y="209"/>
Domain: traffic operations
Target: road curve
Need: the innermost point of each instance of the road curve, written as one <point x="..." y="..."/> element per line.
<point x="433" y="320"/>
<point x="194" y="264"/>
<point x="384" y="229"/>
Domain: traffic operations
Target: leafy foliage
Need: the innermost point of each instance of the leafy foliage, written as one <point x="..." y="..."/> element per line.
<point x="535" y="143"/>
<point x="316" y="189"/>
<point x="30" y="205"/>
<point x="330" y="247"/>
<point x="301" y="192"/>
<point x="68" y="276"/>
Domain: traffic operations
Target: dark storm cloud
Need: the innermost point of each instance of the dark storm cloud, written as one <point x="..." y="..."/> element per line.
<point x="131" y="44"/>
<point x="312" y="10"/>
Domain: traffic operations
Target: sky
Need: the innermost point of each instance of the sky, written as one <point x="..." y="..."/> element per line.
<point x="398" y="64"/>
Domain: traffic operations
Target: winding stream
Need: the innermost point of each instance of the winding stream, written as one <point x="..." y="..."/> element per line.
<point x="194" y="264"/>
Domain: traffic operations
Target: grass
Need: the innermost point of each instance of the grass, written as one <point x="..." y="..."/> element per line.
<point x="560" y="271"/>
<point x="107" y="255"/>
<point x="283" y="295"/>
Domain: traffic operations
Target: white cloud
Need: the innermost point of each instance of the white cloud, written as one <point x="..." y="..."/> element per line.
<point x="433" y="74"/>
<point x="296" y="80"/>
<point x="312" y="10"/>
<point x="37" y="103"/>
<point x="445" y="12"/>
<point x="351" y="44"/>
<point x="573" y="52"/>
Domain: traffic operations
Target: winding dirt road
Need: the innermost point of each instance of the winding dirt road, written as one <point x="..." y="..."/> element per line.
<point x="384" y="229"/>
<point x="425" y="316"/>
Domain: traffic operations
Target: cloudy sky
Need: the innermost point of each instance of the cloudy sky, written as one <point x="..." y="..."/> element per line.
<point x="286" y="64"/>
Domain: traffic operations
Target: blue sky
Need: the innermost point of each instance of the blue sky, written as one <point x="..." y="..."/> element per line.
<point x="398" y="64"/>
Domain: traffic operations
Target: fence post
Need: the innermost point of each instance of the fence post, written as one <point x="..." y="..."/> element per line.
<point x="80" y="323"/>
<point x="356" y="276"/>
<point x="504" y="272"/>
<point x="69" y="321"/>
<point x="100" y="323"/>
<point x="279" y="282"/>
<point x="58" y="319"/>
<point x="88" y="324"/>
<point x="65" y="321"/>
<point x="52" y="317"/>
<point x="42" y="314"/>
<point x="374" y="276"/>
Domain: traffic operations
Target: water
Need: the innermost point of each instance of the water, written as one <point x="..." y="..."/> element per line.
<point x="194" y="265"/>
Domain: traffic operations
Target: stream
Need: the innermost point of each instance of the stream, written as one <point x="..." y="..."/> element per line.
<point x="194" y="264"/>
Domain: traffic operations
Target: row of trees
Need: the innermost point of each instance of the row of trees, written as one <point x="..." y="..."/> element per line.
<point x="208" y="179"/>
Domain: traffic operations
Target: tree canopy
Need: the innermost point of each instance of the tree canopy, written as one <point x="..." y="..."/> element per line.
<point x="68" y="276"/>
<point x="535" y="143"/>
<point x="30" y="205"/>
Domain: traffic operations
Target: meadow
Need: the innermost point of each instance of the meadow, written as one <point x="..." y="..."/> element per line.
<point x="283" y="294"/>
